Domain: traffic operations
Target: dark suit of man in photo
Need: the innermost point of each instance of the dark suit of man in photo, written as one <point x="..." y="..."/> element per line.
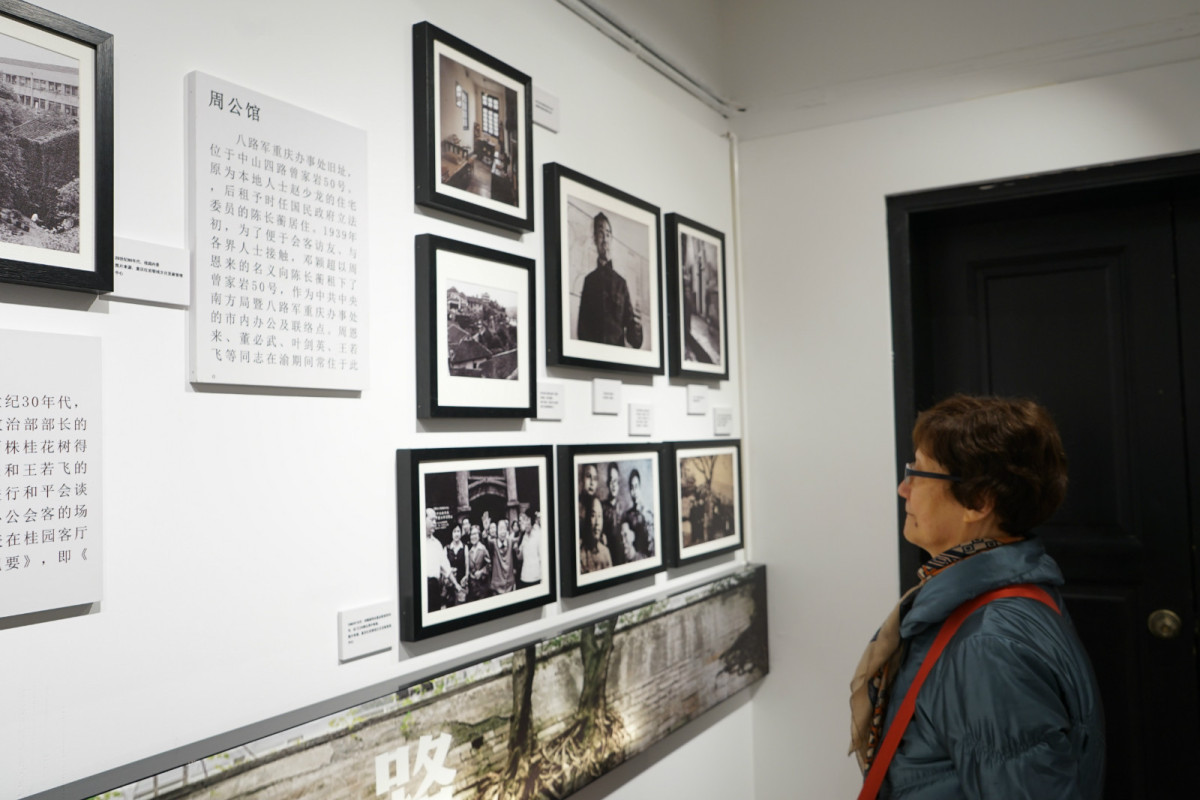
<point x="606" y="314"/>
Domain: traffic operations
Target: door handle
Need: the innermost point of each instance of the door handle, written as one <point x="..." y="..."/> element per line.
<point x="1164" y="623"/>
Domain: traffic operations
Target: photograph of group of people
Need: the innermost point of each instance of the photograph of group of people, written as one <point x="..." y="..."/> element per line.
<point x="482" y="559"/>
<point x="485" y="527"/>
<point x="617" y="511"/>
<point x="484" y="539"/>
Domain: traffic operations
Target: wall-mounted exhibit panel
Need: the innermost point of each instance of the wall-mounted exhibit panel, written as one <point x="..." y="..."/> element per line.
<point x="278" y="208"/>
<point x="255" y="556"/>
<point x="50" y="509"/>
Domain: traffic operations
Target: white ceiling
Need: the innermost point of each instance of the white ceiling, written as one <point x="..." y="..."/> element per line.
<point x="798" y="64"/>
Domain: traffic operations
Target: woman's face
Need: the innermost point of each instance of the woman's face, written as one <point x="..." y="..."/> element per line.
<point x="935" y="520"/>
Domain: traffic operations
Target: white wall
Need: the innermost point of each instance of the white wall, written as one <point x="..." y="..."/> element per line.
<point x="238" y="524"/>
<point x="818" y="365"/>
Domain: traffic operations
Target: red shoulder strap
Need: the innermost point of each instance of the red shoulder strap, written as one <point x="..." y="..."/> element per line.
<point x="907" y="708"/>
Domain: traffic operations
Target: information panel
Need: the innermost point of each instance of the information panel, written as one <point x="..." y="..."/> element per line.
<point x="50" y="489"/>
<point x="278" y="239"/>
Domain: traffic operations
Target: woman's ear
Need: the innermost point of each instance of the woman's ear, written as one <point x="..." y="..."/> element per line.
<point x="986" y="508"/>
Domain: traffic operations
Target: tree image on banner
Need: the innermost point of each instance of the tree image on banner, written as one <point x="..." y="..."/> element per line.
<point x="592" y="744"/>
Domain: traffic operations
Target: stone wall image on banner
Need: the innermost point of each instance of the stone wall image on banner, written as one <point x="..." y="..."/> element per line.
<point x="541" y="721"/>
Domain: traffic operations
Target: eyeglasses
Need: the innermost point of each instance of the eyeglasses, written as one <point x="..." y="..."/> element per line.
<point x="909" y="472"/>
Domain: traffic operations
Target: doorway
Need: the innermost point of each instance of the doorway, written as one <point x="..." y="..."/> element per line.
<point x="1082" y="290"/>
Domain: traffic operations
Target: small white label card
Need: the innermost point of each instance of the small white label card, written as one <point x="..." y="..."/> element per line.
<point x="641" y="419"/>
<point x="365" y="630"/>
<point x="697" y="399"/>
<point x="151" y="272"/>
<point x="722" y="421"/>
<point x="606" y="396"/>
<point x="549" y="400"/>
<point x="545" y="109"/>
<point x="50" y="542"/>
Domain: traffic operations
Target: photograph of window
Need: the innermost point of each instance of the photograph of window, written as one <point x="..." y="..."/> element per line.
<point x="491" y="115"/>
<point x="473" y="133"/>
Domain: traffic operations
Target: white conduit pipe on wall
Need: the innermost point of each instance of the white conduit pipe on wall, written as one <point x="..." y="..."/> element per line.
<point x="604" y="23"/>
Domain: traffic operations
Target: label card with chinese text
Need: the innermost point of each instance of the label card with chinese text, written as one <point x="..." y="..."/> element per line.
<point x="606" y="396"/>
<point x="50" y="487"/>
<point x="154" y="273"/>
<point x="641" y="419"/>
<point x="545" y="109"/>
<point x="697" y="399"/>
<point x="278" y="213"/>
<point x="722" y="421"/>
<point x="366" y="630"/>
<point x="550" y="401"/>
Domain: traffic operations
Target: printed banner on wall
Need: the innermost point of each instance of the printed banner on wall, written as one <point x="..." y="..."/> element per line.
<point x="541" y="721"/>
<point x="50" y="490"/>
<point x="279" y="241"/>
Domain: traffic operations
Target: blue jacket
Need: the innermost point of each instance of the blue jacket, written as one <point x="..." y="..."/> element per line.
<point x="1011" y="710"/>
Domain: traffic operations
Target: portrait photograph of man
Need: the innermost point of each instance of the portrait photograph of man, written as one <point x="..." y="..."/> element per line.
<point x="609" y="286"/>
<point x="606" y="268"/>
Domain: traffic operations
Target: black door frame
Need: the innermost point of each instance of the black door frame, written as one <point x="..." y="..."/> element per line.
<point x="906" y="210"/>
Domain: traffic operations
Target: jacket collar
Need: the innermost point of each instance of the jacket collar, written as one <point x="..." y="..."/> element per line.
<point x="1020" y="562"/>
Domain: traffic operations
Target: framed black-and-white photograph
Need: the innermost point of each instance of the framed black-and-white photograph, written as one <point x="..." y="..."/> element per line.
<point x="473" y="137"/>
<point x="610" y="524"/>
<point x="704" y="493"/>
<point x="476" y="535"/>
<point x="56" y="150"/>
<point x="696" y="299"/>
<point x="476" y="331"/>
<point x="603" y="276"/>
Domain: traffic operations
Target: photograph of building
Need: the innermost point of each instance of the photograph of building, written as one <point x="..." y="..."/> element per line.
<point x="482" y="332"/>
<point x="39" y="148"/>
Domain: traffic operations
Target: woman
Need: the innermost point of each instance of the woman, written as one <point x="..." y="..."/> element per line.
<point x="456" y="554"/>
<point x="1010" y="709"/>
<point x="479" y="568"/>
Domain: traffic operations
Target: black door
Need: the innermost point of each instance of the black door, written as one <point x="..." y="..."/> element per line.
<point x="1072" y="298"/>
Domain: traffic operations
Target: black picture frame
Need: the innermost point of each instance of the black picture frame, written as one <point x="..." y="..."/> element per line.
<point x="697" y="303"/>
<point x="509" y="481"/>
<point x="472" y="125"/>
<point x="56" y="208"/>
<point x="573" y="204"/>
<point x="467" y="365"/>
<point x="686" y="458"/>
<point x="584" y="569"/>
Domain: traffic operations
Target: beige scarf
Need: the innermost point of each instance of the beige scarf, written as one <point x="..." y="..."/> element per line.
<point x="881" y="660"/>
<point x="878" y="665"/>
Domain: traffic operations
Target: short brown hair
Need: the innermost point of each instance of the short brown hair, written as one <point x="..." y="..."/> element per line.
<point x="1006" y="449"/>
